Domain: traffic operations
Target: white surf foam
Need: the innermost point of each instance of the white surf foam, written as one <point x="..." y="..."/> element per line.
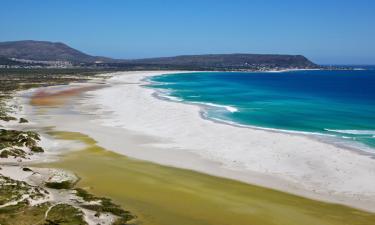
<point x="358" y="132"/>
<point x="231" y="109"/>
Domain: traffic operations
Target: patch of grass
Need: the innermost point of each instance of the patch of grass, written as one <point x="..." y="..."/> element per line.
<point x="12" y="140"/>
<point x="85" y="195"/>
<point x="7" y="118"/>
<point x="37" y="149"/>
<point x="23" y="120"/>
<point x="22" y="214"/>
<point x="15" y="152"/>
<point x="14" y="208"/>
<point x="26" y="169"/>
<point x="64" y="214"/>
<point x="60" y="185"/>
<point x="12" y="190"/>
<point x="106" y="206"/>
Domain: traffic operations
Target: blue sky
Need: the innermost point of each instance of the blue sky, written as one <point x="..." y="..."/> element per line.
<point x="327" y="32"/>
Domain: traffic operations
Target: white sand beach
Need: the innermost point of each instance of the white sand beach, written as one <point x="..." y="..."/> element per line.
<point x="125" y="117"/>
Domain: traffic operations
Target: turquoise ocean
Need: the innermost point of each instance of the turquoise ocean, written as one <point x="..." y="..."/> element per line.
<point x="334" y="105"/>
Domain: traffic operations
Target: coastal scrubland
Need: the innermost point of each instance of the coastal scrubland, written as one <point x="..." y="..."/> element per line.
<point x="30" y="195"/>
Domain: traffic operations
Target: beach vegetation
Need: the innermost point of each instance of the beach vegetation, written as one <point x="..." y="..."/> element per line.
<point x="60" y="185"/>
<point x="37" y="149"/>
<point x="13" y="152"/>
<point x="26" y="169"/>
<point x="105" y="206"/>
<point x="7" y="118"/>
<point x="23" y="120"/>
<point x="23" y="214"/>
<point x="14" y="142"/>
<point x="14" y="191"/>
<point x="64" y="214"/>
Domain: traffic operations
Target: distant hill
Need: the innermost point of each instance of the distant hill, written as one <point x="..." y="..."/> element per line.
<point x="56" y="51"/>
<point x="44" y="51"/>
<point x="232" y="61"/>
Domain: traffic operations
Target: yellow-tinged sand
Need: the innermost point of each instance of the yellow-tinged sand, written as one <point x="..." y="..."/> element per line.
<point x="161" y="195"/>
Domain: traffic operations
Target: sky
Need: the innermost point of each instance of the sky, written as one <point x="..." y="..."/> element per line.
<point x="325" y="31"/>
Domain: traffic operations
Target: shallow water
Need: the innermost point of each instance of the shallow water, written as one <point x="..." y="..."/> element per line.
<point x="337" y="103"/>
<point x="161" y="195"/>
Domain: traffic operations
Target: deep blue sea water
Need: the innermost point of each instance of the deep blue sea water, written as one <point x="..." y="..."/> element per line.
<point x="339" y="104"/>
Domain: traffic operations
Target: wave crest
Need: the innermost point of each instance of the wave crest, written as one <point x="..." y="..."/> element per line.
<point x="355" y="132"/>
<point x="229" y="108"/>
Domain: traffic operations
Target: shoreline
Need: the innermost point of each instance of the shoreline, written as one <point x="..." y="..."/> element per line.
<point x="156" y="151"/>
<point x="350" y="145"/>
<point x="316" y="136"/>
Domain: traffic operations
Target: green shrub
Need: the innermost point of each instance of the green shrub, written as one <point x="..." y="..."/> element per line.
<point x="37" y="149"/>
<point x="59" y="185"/>
<point x="23" y="120"/>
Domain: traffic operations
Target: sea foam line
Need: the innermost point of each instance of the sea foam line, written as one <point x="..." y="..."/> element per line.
<point x="231" y="109"/>
<point x="360" y="132"/>
<point x="166" y="94"/>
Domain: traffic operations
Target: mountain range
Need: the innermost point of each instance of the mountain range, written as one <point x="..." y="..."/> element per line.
<point x="56" y="51"/>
